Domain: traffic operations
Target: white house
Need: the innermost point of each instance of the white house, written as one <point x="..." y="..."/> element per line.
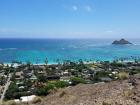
<point x="27" y="98"/>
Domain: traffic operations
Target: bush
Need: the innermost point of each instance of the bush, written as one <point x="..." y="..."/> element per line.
<point x="10" y="92"/>
<point x="102" y="73"/>
<point x="43" y="91"/>
<point x="77" y="80"/>
<point x="61" y="84"/>
<point x="42" y="78"/>
<point x="50" y="86"/>
<point x="123" y="75"/>
<point x="117" y="64"/>
<point x="99" y="74"/>
<point x="134" y="71"/>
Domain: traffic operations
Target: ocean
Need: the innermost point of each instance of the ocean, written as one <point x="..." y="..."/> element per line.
<point x="37" y="50"/>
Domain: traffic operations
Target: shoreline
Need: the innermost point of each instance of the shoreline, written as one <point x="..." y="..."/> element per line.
<point x="54" y="63"/>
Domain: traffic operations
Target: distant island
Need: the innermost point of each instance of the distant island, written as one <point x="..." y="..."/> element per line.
<point x="121" y="42"/>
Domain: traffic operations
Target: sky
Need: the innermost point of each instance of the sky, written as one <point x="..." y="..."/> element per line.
<point x="69" y="18"/>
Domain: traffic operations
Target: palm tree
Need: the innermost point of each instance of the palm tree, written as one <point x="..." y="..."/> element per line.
<point x="46" y="61"/>
<point x="1" y="66"/>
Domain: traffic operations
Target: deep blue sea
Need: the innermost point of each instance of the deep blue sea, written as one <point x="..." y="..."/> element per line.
<point x="37" y="50"/>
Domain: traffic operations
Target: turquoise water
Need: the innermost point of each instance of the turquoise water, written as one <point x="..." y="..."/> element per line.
<point x="37" y="50"/>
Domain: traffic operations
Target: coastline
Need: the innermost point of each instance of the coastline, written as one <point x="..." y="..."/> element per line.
<point x="84" y="62"/>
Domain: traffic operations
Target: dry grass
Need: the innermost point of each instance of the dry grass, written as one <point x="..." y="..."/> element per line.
<point x="10" y="103"/>
<point x="128" y="93"/>
<point x="37" y="100"/>
<point x="105" y="103"/>
<point x="62" y="94"/>
<point x="123" y="75"/>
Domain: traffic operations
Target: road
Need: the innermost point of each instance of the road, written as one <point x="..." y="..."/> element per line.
<point x="5" y="88"/>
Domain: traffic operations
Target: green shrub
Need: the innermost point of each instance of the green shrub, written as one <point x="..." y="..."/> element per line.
<point x="98" y="75"/>
<point x="50" y="86"/>
<point x="61" y="84"/>
<point x="42" y="78"/>
<point x="13" y="88"/>
<point x="77" y="80"/>
<point x="43" y="91"/>
<point x="117" y="64"/>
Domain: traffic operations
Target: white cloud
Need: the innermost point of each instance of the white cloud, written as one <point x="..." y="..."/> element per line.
<point x="88" y="8"/>
<point x="7" y="31"/>
<point x="109" y="31"/>
<point x="74" y="7"/>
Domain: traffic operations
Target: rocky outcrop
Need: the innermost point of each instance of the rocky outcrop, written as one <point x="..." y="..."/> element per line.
<point x="121" y="42"/>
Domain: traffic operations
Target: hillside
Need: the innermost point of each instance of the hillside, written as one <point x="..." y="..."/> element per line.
<point x="124" y="92"/>
<point x="114" y="93"/>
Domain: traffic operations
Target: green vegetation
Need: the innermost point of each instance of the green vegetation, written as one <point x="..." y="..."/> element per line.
<point x="135" y="71"/>
<point x="42" y="91"/>
<point x="10" y="94"/>
<point x="2" y="80"/>
<point x="100" y="74"/>
<point x="77" y="80"/>
<point x="42" y="78"/>
<point x="117" y="64"/>
<point x="50" y="86"/>
<point x="28" y="79"/>
<point x="61" y="84"/>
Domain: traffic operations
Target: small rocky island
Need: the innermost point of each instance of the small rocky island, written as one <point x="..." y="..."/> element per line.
<point x="121" y="42"/>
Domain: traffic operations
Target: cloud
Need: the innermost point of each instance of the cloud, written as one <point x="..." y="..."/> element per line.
<point x="74" y="7"/>
<point x="7" y="31"/>
<point x="88" y="8"/>
<point x="109" y="31"/>
<point x="83" y="8"/>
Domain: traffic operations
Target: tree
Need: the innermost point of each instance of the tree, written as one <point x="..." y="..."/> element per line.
<point x="10" y="92"/>
<point x="43" y="91"/>
<point x="2" y="80"/>
<point x="29" y="64"/>
<point x="42" y="78"/>
<point x="46" y="61"/>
